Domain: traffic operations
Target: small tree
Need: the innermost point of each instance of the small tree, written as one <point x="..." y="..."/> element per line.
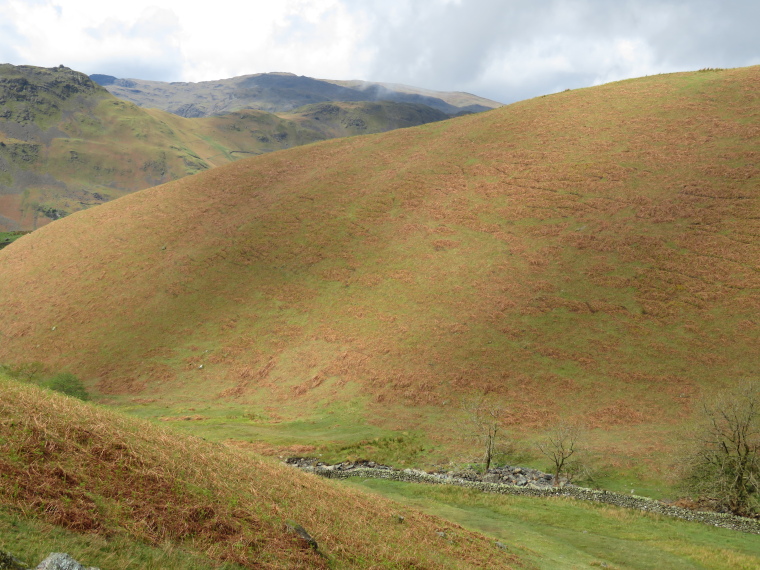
<point x="723" y="461"/>
<point x="484" y="417"/>
<point x="559" y="445"/>
<point x="26" y="372"/>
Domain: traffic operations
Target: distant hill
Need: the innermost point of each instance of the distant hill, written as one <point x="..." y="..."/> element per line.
<point x="277" y="92"/>
<point x="591" y="254"/>
<point x="67" y="144"/>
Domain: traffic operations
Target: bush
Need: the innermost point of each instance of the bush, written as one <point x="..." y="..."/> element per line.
<point x="68" y="384"/>
<point x="723" y="464"/>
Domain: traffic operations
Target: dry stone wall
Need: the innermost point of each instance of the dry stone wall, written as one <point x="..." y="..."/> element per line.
<point x="619" y="499"/>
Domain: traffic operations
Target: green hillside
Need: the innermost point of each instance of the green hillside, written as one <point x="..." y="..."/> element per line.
<point x="119" y="493"/>
<point x="142" y="495"/>
<point x="591" y="255"/>
<point x="66" y="144"/>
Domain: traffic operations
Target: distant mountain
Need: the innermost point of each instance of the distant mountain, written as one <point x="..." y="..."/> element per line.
<point x="67" y="144"/>
<point x="277" y="92"/>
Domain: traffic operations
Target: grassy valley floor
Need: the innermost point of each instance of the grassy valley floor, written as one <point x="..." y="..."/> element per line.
<point x="560" y="533"/>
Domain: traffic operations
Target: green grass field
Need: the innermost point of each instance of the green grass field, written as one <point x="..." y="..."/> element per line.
<point x="561" y="533"/>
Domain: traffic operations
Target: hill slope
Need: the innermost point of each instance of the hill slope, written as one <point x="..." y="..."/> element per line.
<point x="66" y="144"/>
<point x="592" y="254"/>
<point x="112" y="476"/>
<point x="278" y="92"/>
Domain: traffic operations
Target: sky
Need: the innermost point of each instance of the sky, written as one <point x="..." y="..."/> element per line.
<point x="500" y="49"/>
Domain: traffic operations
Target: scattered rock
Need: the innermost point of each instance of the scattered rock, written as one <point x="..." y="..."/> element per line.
<point x="501" y="545"/>
<point x="61" y="561"/>
<point x="297" y="529"/>
<point x="400" y="518"/>
<point x="520" y="476"/>
<point x="306" y="462"/>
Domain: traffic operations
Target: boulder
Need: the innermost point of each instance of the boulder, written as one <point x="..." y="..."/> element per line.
<point x="61" y="561"/>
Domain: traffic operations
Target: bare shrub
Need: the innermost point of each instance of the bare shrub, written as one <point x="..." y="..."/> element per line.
<point x="560" y="444"/>
<point x="722" y="463"/>
<point x="484" y="417"/>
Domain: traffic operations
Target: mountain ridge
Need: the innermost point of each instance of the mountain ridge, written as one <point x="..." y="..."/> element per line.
<point x="279" y="92"/>
<point x="67" y="144"/>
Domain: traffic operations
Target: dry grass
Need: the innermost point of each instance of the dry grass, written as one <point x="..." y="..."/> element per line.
<point x="95" y="471"/>
<point x="592" y="253"/>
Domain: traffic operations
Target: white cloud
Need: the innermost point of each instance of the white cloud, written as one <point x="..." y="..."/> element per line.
<point x="503" y="49"/>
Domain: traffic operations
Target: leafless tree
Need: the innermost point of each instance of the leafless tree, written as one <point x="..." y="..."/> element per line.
<point x="485" y="418"/>
<point x="723" y="450"/>
<point x="559" y="445"/>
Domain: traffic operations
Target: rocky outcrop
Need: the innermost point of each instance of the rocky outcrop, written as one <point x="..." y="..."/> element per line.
<point x="363" y="469"/>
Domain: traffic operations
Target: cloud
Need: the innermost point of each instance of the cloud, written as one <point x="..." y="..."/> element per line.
<point x="10" y="34"/>
<point x="138" y="41"/>
<point x="509" y="51"/>
<point x="319" y="38"/>
<point x="146" y="47"/>
<point x="502" y="49"/>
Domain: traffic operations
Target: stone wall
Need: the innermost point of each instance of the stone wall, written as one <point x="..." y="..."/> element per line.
<point x="621" y="500"/>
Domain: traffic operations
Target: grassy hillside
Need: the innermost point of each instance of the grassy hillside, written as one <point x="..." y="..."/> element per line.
<point x="66" y="144"/>
<point x="279" y="92"/>
<point x="120" y="493"/>
<point x="91" y="471"/>
<point x="591" y="255"/>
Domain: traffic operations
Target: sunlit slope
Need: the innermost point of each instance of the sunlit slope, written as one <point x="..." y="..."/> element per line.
<point x="100" y="473"/>
<point x="66" y="144"/>
<point x="593" y="252"/>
